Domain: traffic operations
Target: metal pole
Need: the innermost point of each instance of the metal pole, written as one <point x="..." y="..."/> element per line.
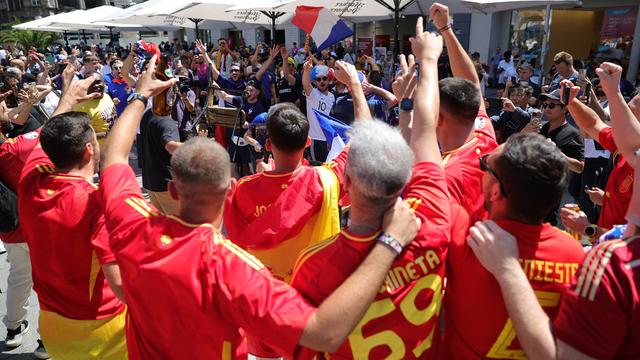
<point x="273" y="29"/>
<point x="396" y="28"/>
<point x="545" y="44"/>
<point x="110" y="34"/>
<point x="66" y="39"/>
<point x="84" y="37"/>
<point x="373" y="49"/>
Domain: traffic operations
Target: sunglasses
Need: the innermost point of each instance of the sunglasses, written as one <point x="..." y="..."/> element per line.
<point x="550" y="105"/>
<point x="322" y="78"/>
<point x="484" y="166"/>
<point x="116" y="67"/>
<point x="235" y="70"/>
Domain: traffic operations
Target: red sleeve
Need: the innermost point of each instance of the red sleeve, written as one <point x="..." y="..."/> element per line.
<point x="100" y="242"/>
<point x="427" y="193"/>
<point x="37" y="159"/>
<point x="266" y="308"/>
<point x="13" y="155"/>
<point x="605" y="138"/>
<point x="123" y="204"/>
<point x="592" y="316"/>
<point x="483" y="124"/>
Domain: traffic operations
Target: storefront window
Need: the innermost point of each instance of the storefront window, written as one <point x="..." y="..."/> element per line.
<point x="527" y="31"/>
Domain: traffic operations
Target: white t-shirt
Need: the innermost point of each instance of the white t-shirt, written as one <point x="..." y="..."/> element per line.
<point x="505" y="66"/>
<point x="323" y="103"/>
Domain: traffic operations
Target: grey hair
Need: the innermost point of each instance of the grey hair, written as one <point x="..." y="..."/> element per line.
<point x="379" y="160"/>
<point x="200" y="161"/>
<point x="14" y="72"/>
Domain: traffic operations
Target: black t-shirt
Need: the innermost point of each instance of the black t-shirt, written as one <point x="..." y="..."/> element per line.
<point x="567" y="138"/>
<point x="510" y="123"/>
<point x="16" y="130"/>
<point x="155" y="133"/>
<point x="287" y="92"/>
<point x="343" y="108"/>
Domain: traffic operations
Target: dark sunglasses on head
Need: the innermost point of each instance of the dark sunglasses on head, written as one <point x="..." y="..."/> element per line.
<point x="550" y="105"/>
<point x="484" y="166"/>
<point x="322" y="78"/>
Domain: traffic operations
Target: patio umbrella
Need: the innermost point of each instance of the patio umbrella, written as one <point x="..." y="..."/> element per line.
<point x="217" y="10"/>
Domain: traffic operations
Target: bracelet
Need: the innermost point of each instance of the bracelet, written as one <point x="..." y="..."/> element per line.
<point x="445" y="28"/>
<point x="390" y="242"/>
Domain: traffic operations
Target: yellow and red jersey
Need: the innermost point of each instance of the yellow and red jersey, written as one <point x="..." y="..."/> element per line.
<point x="64" y="228"/>
<point x="276" y="216"/>
<point x="477" y="324"/>
<point x="464" y="176"/>
<point x="617" y="192"/>
<point x="13" y="155"/>
<point x="188" y="290"/>
<point x="600" y="314"/>
<point x="402" y="322"/>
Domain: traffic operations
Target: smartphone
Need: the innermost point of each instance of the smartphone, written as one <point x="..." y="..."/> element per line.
<point x="513" y="80"/>
<point x="565" y="95"/>
<point x="587" y="93"/>
<point x="582" y="73"/>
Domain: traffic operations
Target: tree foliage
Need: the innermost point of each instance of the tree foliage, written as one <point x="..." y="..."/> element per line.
<point x="28" y="38"/>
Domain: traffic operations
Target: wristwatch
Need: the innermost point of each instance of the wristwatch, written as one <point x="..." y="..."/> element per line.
<point x="406" y="104"/>
<point x="390" y="242"/>
<point x="137" y="96"/>
<point x="591" y="230"/>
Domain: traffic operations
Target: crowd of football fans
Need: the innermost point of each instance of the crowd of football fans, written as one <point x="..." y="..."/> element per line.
<point x="450" y="225"/>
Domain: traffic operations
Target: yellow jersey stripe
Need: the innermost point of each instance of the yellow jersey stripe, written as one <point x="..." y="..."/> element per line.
<point x="93" y="275"/>
<point x="245" y="256"/>
<point x="137" y="207"/>
<point x="583" y="271"/>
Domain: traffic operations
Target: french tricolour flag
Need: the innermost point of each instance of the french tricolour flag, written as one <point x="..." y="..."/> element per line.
<point x="324" y="27"/>
<point x="335" y="133"/>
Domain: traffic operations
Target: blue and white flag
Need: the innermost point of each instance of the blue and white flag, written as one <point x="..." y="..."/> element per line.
<point x="335" y="133"/>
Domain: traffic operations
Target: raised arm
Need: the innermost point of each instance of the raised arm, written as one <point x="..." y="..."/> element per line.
<point x="626" y="129"/>
<point x="391" y="99"/>
<point x="336" y="317"/>
<point x="74" y="93"/>
<point x="461" y="64"/>
<point x="123" y="133"/>
<point x="307" y="87"/>
<point x="347" y="74"/>
<point x="585" y="117"/>
<point x="127" y="65"/>
<point x="212" y="65"/>
<point x="426" y="47"/>
<point x="403" y="88"/>
<point x="285" y="66"/>
<point x="275" y="50"/>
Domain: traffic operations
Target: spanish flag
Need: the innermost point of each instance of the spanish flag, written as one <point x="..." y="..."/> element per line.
<point x="305" y="212"/>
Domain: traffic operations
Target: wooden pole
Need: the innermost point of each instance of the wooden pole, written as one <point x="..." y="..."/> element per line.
<point x="306" y="43"/>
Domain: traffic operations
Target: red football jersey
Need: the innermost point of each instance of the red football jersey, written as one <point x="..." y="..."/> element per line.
<point x="64" y="228"/>
<point x="617" y="192"/>
<point x="13" y="154"/>
<point x="462" y="167"/>
<point x="477" y="324"/>
<point x="600" y="314"/>
<point x="189" y="290"/>
<point x="402" y="322"/>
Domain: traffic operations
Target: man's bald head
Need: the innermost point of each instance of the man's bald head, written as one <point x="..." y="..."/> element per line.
<point x="201" y="164"/>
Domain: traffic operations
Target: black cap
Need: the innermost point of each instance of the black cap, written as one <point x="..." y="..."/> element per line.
<point x="554" y="95"/>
